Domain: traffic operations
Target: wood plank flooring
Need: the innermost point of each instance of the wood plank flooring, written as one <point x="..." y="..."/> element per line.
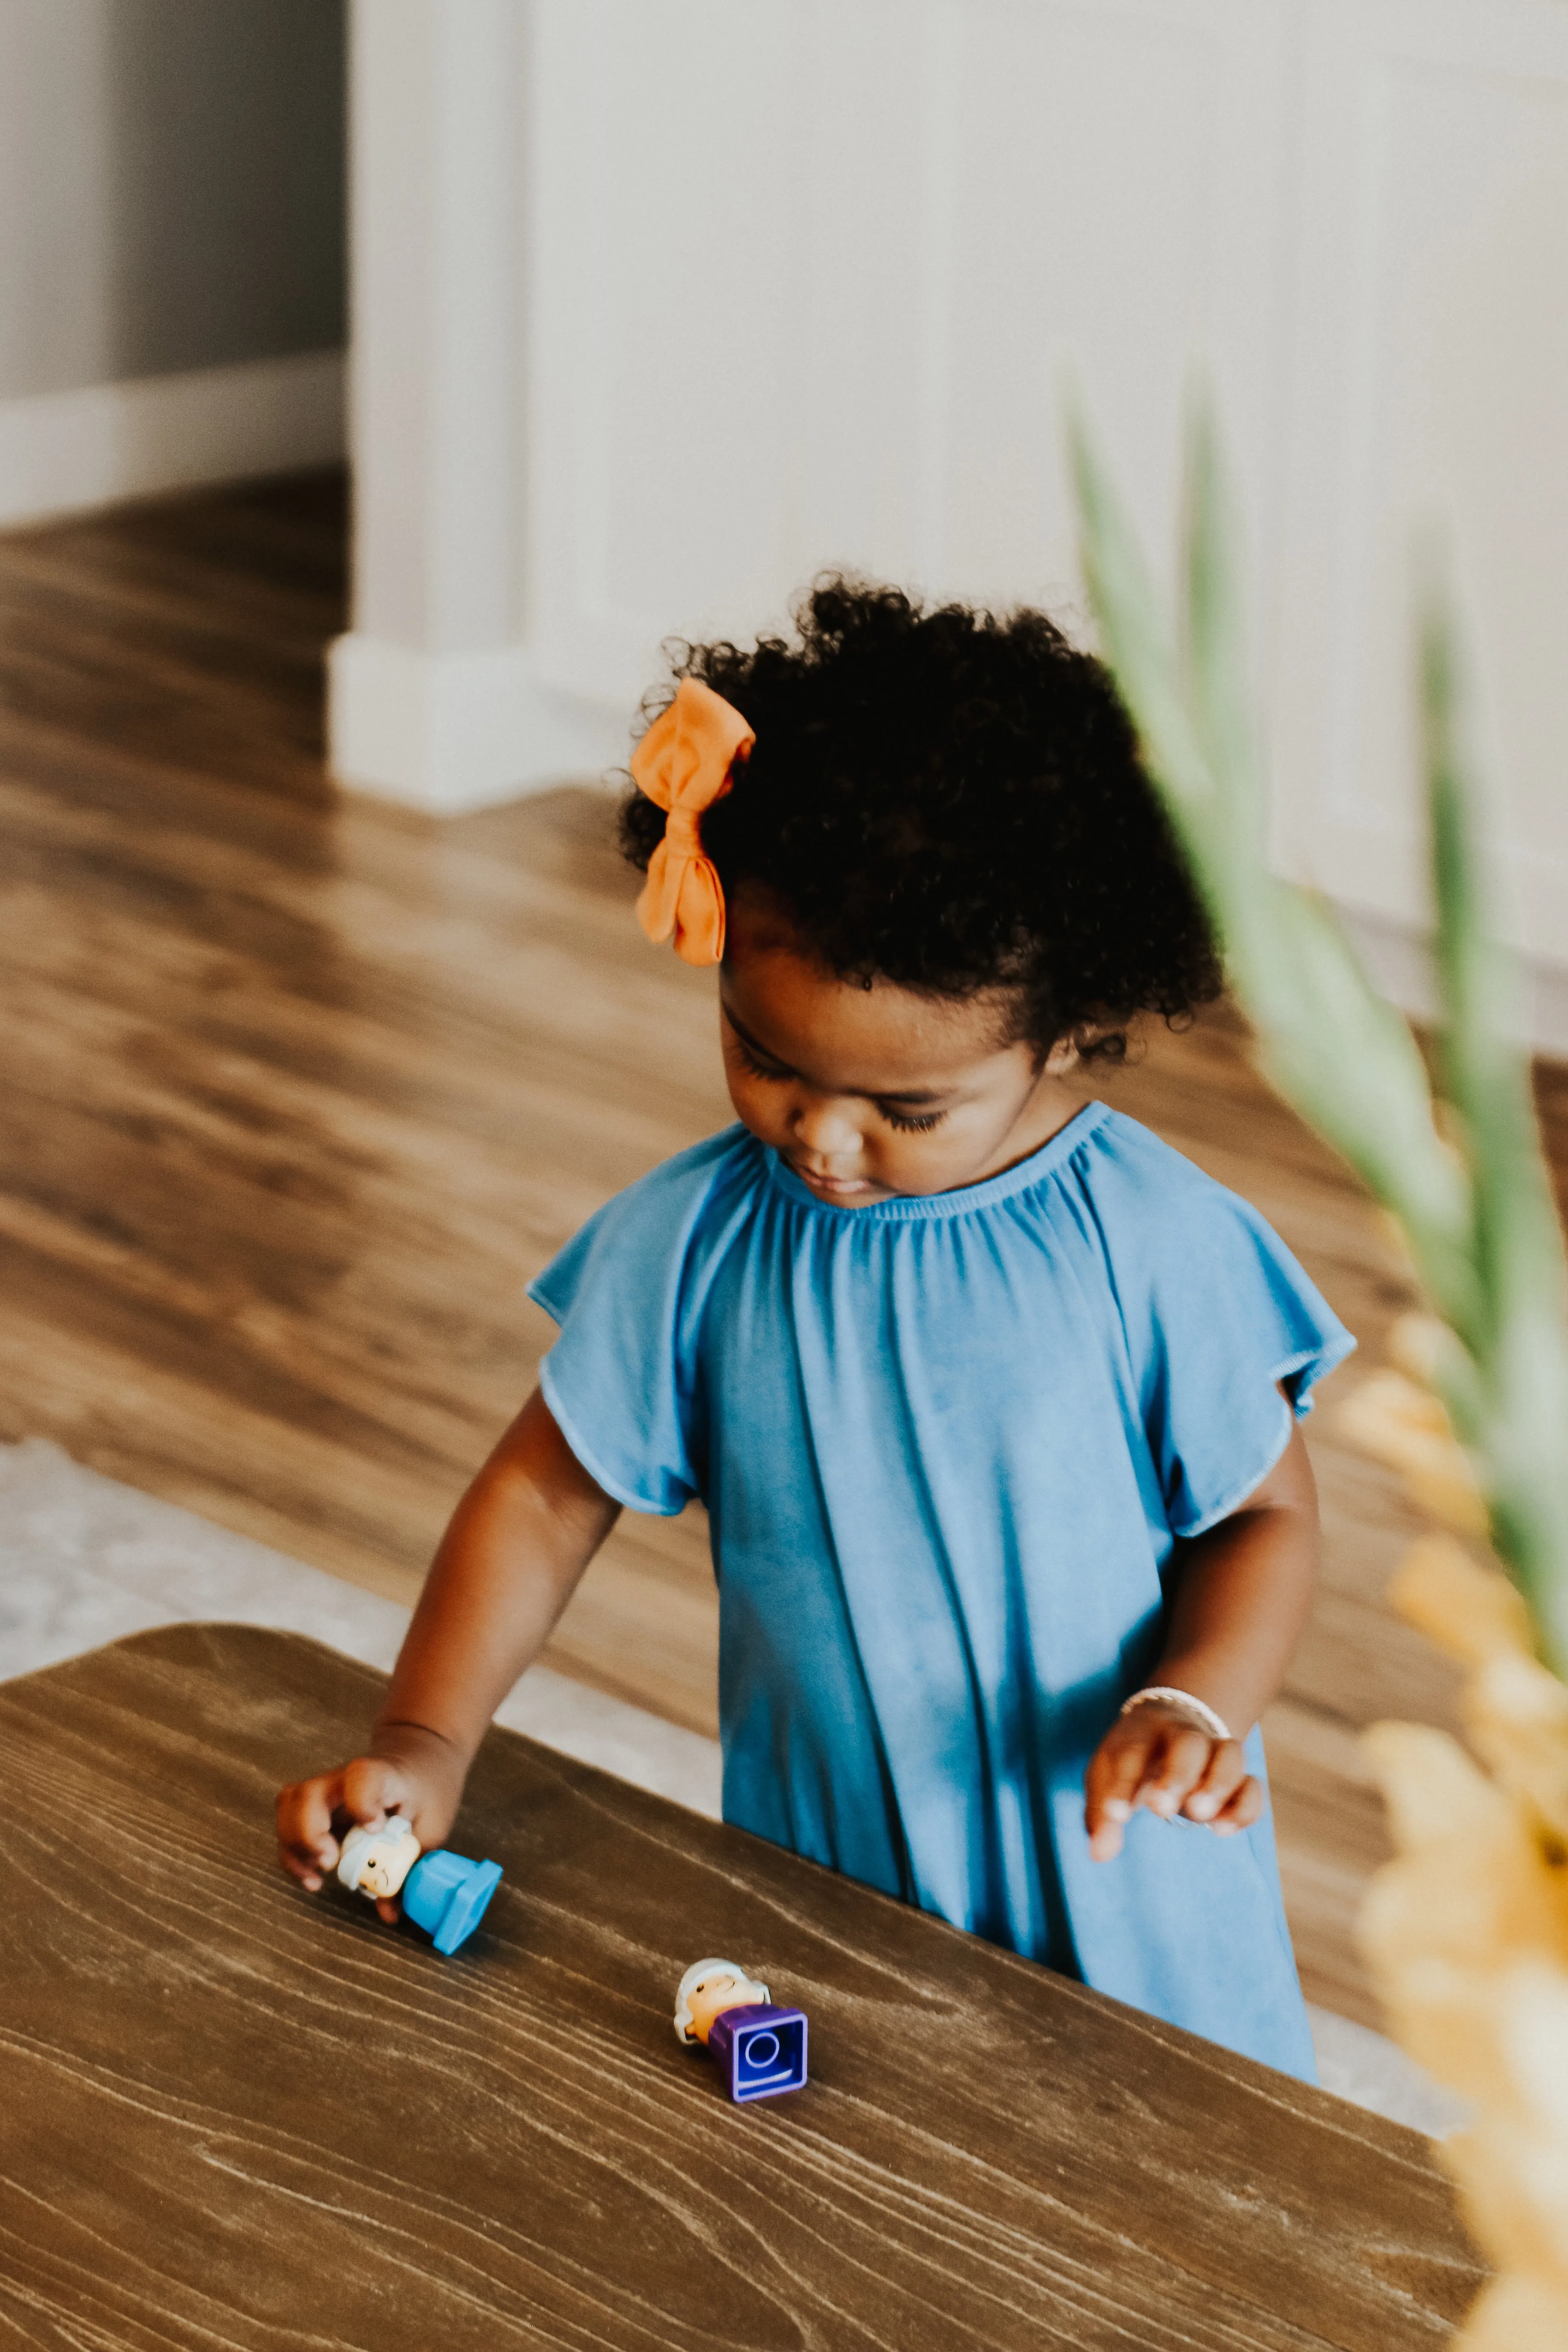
<point x="299" y="1091"/>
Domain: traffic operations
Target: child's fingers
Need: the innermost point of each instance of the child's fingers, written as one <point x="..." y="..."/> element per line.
<point x="306" y="1845"/>
<point x="1240" y="1810"/>
<point x="1171" y="1767"/>
<point x="310" y="1811"/>
<point x="1215" y="1788"/>
<point x="1110" y="1785"/>
<point x="1176" y="1766"/>
<point x="302" y="1867"/>
<point x="372" y="1787"/>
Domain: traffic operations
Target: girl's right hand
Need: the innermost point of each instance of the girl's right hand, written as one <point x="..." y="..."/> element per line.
<point x="411" y="1771"/>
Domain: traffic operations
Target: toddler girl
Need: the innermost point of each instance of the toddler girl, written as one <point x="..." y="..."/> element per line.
<point x="990" y="1396"/>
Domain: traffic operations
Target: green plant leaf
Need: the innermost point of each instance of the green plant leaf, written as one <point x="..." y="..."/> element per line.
<point x="1517" y="1242"/>
<point x="1480" y="1219"/>
<point x="1328" y="1039"/>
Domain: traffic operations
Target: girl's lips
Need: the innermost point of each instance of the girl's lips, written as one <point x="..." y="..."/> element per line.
<point x="838" y="1187"/>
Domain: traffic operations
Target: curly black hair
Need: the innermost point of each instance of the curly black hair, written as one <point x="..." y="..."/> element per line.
<point x="952" y="800"/>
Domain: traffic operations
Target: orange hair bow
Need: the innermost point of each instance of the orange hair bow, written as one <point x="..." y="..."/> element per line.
<point x="683" y="763"/>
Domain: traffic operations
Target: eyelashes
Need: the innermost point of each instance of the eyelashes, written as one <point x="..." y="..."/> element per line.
<point x="752" y="1068"/>
<point x="906" y="1123"/>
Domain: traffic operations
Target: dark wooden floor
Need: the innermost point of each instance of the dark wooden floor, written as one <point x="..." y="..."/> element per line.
<point x="300" y="1090"/>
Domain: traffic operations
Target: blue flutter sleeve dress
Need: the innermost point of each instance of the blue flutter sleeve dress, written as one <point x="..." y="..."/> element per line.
<point x="947" y="1443"/>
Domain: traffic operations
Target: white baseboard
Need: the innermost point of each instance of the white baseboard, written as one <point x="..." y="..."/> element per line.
<point x="1399" y="959"/>
<point x="451" y="732"/>
<point x="62" y="451"/>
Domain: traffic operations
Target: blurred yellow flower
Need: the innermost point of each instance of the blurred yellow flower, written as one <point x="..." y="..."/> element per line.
<point x="1389" y="1417"/>
<point x="1466" y="1929"/>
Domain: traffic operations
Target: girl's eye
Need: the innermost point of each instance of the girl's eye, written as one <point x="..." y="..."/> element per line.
<point x="752" y="1068"/>
<point x="921" y="1125"/>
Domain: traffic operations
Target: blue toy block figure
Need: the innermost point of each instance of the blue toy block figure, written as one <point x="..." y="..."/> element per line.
<point x="447" y="1897"/>
<point x="442" y="1892"/>
<point x="759" y="2047"/>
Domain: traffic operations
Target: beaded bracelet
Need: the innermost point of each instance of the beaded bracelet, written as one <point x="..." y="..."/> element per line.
<point x="1203" y="1715"/>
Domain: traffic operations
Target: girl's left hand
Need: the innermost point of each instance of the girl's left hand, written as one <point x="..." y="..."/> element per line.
<point x="1159" y="1757"/>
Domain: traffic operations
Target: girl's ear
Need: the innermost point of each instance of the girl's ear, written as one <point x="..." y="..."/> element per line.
<point x="1062" y="1058"/>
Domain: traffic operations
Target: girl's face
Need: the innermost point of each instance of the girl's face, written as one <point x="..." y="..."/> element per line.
<point x="871" y="1092"/>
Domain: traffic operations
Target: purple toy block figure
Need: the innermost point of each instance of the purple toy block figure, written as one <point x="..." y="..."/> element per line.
<point x="761" y="2048"/>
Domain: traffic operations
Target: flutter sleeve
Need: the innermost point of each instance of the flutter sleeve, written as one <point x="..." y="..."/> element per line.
<point x="1226" y="1334"/>
<point x="1242" y="1339"/>
<point x="623" y="1380"/>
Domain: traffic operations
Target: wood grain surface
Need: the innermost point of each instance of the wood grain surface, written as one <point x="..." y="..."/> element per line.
<point x="235" y="2115"/>
<point x="298" y="1091"/>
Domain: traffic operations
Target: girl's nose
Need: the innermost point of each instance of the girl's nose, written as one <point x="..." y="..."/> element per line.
<point x="826" y="1126"/>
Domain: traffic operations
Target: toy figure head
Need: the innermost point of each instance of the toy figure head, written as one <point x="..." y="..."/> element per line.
<point x="377" y="1862"/>
<point x="707" y="1988"/>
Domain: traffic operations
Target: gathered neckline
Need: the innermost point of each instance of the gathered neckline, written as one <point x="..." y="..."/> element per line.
<point x="968" y="1200"/>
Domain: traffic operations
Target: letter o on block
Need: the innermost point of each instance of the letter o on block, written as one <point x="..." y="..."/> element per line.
<point x="761" y="2051"/>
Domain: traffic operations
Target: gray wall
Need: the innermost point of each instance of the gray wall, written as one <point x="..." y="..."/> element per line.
<point x="170" y="185"/>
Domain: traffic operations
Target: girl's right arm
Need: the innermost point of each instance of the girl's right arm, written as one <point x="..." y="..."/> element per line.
<point x="519" y="1542"/>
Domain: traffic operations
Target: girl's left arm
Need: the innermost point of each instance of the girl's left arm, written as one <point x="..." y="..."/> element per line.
<point x="1239" y="1602"/>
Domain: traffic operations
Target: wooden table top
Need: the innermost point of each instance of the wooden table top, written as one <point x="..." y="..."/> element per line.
<point x="235" y="2115"/>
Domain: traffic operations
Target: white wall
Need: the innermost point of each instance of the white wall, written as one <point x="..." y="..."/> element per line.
<point x="436" y="694"/>
<point x="170" y="217"/>
<point x="805" y="297"/>
<point x="1428" y="371"/>
<point x="795" y="282"/>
